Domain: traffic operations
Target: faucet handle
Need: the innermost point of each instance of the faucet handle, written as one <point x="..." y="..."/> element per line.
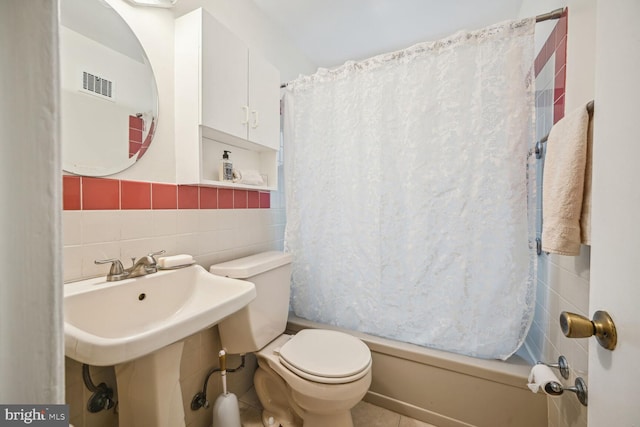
<point x="154" y="254"/>
<point x="117" y="270"/>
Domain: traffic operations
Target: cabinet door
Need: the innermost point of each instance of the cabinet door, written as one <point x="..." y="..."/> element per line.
<point x="223" y="79"/>
<point x="264" y="102"/>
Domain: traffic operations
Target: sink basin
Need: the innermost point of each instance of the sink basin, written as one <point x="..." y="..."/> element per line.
<point x="108" y="323"/>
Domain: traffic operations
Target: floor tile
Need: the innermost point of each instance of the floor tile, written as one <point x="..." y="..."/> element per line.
<point x="250" y="416"/>
<point x="410" y="422"/>
<point x="364" y="414"/>
<point x="367" y="415"/>
<point x="251" y="398"/>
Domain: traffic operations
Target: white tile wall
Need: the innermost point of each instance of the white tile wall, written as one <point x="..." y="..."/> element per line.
<point x="563" y="285"/>
<point x="211" y="236"/>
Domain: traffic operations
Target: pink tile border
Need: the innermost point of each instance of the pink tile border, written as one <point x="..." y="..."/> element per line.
<point x="253" y="199"/>
<point x="135" y="195"/>
<point x="558" y="109"/>
<point x="89" y="193"/>
<point x="225" y="198"/>
<point x="188" y="197"/>
<point x="556" y="45"/>
<point x="135" y="135"/>
<point x="164" y="196"/>
<point x="100" y="194"/>
<point x="265" y="200"/>
<point x="239" y="199"/>
<point x="208" y="198"/>
<point x="71" y="199"/>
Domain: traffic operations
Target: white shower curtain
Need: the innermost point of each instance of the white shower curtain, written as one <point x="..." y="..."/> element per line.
<point x="406" y="183"/>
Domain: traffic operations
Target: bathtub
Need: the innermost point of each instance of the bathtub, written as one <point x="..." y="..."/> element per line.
<point x="446" y="389"/>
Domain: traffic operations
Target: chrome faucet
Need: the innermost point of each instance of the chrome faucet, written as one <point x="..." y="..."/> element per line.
<point x="142" y="267"/>
<point x="145" y="265"/>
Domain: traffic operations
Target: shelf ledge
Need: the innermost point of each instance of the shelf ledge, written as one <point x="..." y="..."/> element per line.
<point x="232" y="185"/>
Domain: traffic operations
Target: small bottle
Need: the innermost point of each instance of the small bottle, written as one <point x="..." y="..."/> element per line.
<point x="226" y="167"/>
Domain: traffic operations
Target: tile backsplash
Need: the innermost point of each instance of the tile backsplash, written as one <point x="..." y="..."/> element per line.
<point x="105" y="218"/>
<point x="87" y="193"/>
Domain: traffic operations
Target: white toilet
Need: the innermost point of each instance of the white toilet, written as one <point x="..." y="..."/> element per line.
<point x="312" y="378"/>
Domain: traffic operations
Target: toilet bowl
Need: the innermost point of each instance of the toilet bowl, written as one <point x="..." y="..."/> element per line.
<point x="318" y="391"/>
<point x="310" y="379"/>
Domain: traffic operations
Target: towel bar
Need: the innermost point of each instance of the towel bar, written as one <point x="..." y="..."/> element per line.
<point x="538" y="147"/>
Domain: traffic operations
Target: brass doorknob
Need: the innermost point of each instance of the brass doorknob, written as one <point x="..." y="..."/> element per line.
<point x="577" y="326"/>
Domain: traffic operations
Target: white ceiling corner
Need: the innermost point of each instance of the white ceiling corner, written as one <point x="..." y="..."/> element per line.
<point x="331" y="32"/>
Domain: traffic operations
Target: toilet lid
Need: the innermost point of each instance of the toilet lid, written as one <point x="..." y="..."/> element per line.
<point x="326" y="356"/>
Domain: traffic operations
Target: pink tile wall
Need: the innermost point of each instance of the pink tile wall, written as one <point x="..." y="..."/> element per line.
<point x="135" y="135"/>
<point x="225" y="198"/>
<point x="135" y="195"/>
<point x="556" y="46"/>
<point x="87" y="193"/>
<point x="98" y="194"/>
<point x="71" y="193"/>
<point x="147" y="140"/>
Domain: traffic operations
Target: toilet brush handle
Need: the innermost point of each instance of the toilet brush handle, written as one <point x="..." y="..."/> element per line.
<point x="222" y="357"/>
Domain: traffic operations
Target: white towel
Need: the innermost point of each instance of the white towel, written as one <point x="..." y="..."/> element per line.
<point x="248" y="177"/>
<point x="563" y="184"/>
<point x="585" y="216"/>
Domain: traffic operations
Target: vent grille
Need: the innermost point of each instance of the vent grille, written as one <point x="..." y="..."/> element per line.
<point x="97" y="85"/>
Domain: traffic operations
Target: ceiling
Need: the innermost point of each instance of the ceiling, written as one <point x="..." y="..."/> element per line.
<point x="331" y="32"/>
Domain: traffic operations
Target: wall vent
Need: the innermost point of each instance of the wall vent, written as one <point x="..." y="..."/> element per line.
<point x="97" y="85"/>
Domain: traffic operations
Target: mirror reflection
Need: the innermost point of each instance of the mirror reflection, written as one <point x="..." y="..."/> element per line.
<point x="109" y="96"/>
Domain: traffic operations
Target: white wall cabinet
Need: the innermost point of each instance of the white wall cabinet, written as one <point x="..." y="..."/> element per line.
<point x="264" y="102"/>
<point x="226" y="98"/>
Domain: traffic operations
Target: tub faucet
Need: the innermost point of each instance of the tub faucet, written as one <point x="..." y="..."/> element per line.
<point x="143" y="266"/>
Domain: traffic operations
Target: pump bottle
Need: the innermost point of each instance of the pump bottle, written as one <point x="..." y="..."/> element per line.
<point x="226" y="167"/>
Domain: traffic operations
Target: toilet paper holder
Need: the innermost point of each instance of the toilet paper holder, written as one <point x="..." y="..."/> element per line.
<point x="562" y="366"/>
<point x="553" y="388"/>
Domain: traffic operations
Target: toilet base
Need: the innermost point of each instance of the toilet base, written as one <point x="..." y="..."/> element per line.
<point x="297" y="402"/>
<point x="272" y="393"/>
<point x="342" y="419"/>
<point x="282" y="410"/>
<point x="269" y="419"/>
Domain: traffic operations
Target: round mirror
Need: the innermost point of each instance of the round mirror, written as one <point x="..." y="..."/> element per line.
<point x="109" y="97"/>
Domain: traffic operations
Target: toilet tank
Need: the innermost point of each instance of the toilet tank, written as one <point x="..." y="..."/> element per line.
<point x="265" y="318"/>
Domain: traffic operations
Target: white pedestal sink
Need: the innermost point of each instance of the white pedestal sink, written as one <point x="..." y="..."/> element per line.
<point x="138" y="324"/>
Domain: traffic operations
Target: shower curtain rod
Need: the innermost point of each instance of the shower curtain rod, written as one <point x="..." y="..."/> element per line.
<point x="554" y="14"/>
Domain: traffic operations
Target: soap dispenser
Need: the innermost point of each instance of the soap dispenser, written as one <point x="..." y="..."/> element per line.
<point x="226" y="167"/>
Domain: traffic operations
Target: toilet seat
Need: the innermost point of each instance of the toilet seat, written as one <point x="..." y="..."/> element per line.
<point x="328" y="357"/>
